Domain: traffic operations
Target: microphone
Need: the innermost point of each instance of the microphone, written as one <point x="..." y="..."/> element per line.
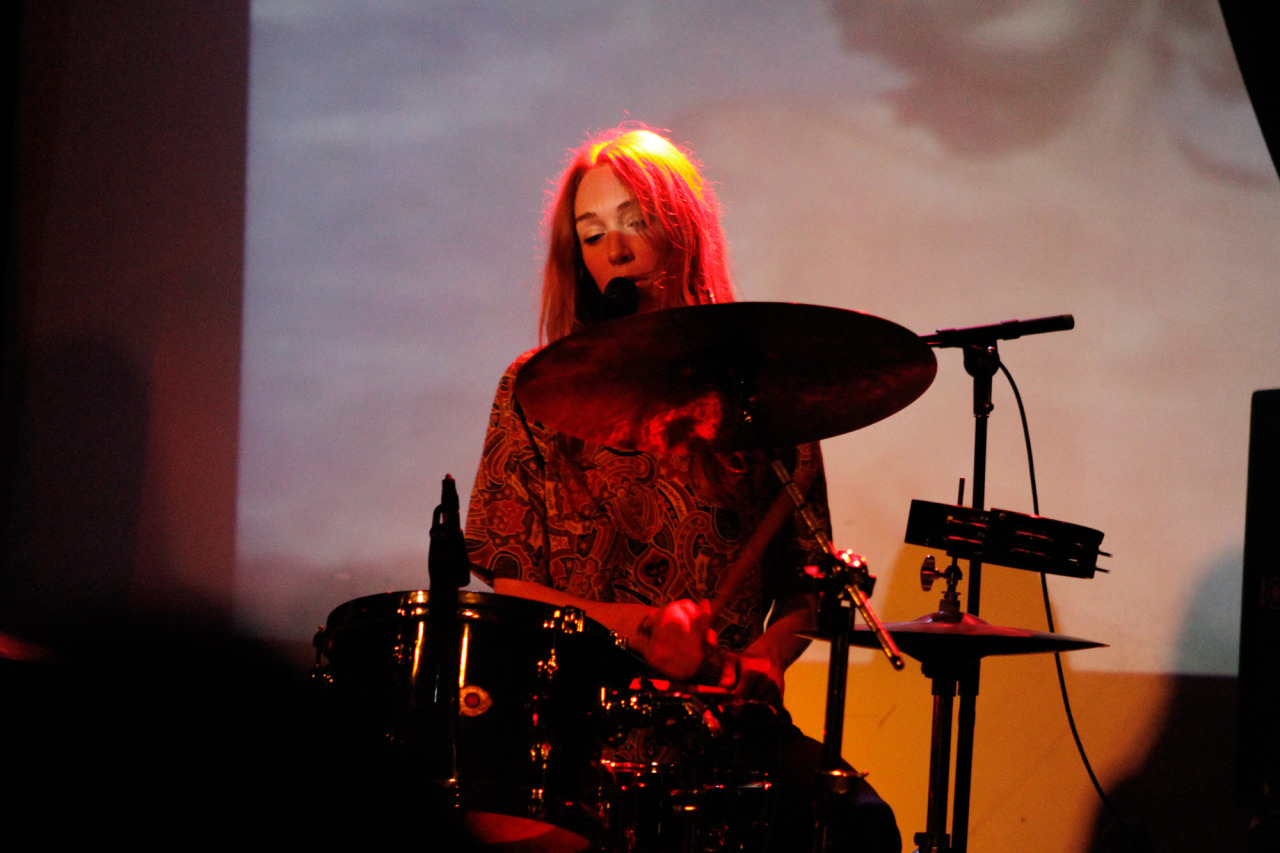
<point x="620" y="298"/>
<point x="447" y="561"/>
<point x="1008" y="330"/>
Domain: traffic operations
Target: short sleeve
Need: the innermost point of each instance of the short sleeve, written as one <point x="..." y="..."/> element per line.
<point x="506" y="518"/>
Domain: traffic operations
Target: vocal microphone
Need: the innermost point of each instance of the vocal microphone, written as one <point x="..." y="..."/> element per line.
<point x="620" y="298"/>
<point x="1008" y="330"/>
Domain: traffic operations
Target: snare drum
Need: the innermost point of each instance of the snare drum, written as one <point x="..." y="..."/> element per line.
<point x="526" y="740"/>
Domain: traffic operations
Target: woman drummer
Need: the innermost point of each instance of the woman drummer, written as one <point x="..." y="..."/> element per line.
<point x="645" y="542"/>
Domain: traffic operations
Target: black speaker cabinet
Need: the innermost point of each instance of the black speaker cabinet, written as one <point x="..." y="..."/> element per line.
<point x="1259" y="685"/>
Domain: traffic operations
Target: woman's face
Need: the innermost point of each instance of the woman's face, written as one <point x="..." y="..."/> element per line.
<point x="614" y="236"/>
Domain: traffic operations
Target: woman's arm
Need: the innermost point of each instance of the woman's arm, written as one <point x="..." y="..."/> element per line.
<point x="676" y="640"/>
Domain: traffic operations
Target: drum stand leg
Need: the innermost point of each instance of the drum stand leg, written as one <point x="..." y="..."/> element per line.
<point x="832" y="781"/>
<point x="840" y="598"/>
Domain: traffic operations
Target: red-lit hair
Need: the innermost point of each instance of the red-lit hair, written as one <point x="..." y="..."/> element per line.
<point x="678" y="203"/>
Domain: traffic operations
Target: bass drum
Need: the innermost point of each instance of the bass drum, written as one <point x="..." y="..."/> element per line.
<point x="520" y="756"/>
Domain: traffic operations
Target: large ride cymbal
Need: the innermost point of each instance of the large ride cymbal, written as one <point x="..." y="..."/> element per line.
<point x="955" y="637"/>
<point x="676" y="378"/>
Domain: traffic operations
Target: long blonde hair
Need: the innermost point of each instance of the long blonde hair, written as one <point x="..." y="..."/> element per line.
<point x="675" y="199"/>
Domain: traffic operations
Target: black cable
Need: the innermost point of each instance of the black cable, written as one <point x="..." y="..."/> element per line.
<point x="1057" y="656"/>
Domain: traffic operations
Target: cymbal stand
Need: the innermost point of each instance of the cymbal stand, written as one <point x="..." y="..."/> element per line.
<point x="944" y="677"/>
<point x="844" y="584"/>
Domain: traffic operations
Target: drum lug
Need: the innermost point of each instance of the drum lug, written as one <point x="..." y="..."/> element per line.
<point x="548" y="668"/>
<point x="566" y="620"/>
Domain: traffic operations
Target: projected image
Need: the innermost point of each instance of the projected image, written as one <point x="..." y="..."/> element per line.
<point x="961" y="165"/>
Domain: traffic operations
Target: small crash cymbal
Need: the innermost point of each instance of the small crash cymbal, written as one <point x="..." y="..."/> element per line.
<point x="956" y="637"/>
<point x="676" y="378"/>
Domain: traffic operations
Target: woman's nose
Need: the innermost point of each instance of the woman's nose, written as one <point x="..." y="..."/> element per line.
<point x="619" y="249"/>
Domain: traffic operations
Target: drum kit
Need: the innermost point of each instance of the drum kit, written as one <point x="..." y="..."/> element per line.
<point x="505" y="711"/>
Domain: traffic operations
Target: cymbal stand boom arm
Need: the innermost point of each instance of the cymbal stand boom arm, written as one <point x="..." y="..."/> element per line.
<point x="860" y="581"/>
<point x="857" y="582"/>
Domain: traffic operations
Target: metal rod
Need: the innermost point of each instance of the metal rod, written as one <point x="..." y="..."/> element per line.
<point x="980" y="362"/>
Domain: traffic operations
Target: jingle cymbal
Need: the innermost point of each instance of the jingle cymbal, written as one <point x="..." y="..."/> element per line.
<point x="943" y="636"/>
<point x="676" y="378"/>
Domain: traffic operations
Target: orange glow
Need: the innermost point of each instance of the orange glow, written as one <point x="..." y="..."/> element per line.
<point x="645" y="145"/>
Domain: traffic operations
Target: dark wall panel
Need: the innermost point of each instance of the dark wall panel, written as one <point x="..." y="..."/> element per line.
<point x="1260" y="608"/>
<point x="125" y="308"/>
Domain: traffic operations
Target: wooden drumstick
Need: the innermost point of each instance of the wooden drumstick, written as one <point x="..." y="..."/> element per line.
<point x="779" y="511"/>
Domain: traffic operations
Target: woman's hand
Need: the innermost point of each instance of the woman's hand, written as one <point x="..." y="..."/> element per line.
<point x="755" y="675"/>
<point x="677" y="639"/>
<point x="757" y="672"/>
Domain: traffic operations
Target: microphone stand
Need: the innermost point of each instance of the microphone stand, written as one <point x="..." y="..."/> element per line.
<point x="434" y="699"/>
<point x="981" y="361"/>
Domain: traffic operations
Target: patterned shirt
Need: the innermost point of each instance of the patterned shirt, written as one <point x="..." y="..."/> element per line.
<point x="628" y="526"/>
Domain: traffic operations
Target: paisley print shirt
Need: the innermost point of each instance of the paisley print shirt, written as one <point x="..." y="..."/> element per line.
<point x="628" y="526"/>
